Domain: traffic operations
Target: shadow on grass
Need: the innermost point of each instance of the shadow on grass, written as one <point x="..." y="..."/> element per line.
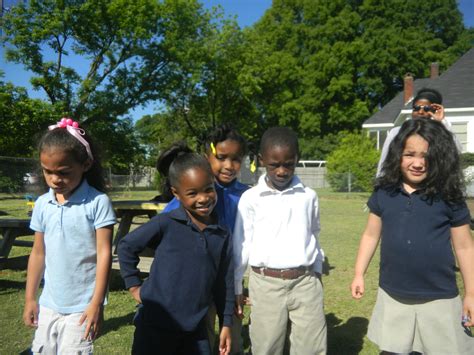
<point x="346" y="338"/>
<point x="9" y="286"/>
<point x="116" y="323"/>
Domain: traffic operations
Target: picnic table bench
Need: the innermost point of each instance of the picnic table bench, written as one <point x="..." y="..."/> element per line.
<point x="10" y="230"/>
<point x="127" y="210"/>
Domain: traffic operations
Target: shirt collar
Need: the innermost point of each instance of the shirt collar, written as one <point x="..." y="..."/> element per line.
<point x="296" y="185"/>
<point x="233" y="186"/>
<point x="79" y="195"/>
<point x="180" y="214"/>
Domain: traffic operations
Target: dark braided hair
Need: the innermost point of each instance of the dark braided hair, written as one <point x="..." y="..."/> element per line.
<point x="226" y="132"/>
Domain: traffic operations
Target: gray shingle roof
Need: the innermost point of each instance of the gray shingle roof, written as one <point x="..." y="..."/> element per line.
<point x="456" y="85"/>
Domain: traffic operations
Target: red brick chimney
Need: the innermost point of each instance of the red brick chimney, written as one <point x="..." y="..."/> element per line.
<point x="407" y="88"/>
<point x="434" y="70"/>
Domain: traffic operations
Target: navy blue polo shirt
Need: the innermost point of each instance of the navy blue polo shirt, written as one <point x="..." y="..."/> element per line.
<point x="191" y="268"/>
<point x="416" y="257"/>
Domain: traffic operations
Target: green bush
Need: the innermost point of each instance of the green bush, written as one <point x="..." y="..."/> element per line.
<point x="356" y="159"/>
<point x="467" y="159"/>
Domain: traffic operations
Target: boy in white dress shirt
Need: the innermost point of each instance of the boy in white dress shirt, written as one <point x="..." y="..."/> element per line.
<point x="276" y="233"/>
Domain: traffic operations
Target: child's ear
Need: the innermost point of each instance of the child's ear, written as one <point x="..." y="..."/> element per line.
<point x="88" y="164"/>
<point x="174" y="192"/>
<point x="260" y="159"/>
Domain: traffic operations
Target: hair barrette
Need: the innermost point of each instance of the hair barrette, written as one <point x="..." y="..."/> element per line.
<point x="253" y="166"/>
<point x="213" y="149"/>
<point x="73" y="128"/>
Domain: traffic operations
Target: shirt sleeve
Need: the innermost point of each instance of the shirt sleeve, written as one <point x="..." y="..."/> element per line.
<point x="315" y="229"/>
<point x="37" y="220"/>
<point x="172" y="205"/>
<point x="460" y="215"/>
<point x="224" y="295"/>
<point x="104" y="212"/>
<point x="242" y="240"/>
<point x="386" y="145"/>
<point x="373" y="204"/>
<point x="132" y="245"/>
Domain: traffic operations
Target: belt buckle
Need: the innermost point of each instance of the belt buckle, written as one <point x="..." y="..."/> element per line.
<point x="282" y="274"/>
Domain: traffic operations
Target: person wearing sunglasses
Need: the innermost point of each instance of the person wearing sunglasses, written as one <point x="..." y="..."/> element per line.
<point x="426" y="104"/>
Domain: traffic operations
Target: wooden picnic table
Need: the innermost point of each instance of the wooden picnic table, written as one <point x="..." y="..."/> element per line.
<point x="10" y="230"/>
<point x="126" y="211"/>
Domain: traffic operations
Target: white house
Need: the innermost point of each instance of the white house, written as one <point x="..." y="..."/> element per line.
<point x="457" y="87"/>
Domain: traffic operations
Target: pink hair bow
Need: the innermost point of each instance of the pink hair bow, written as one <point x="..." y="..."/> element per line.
<point x="73" y="128"/>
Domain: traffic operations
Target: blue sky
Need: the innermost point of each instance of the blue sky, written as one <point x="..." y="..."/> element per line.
<point x="247" y="12"/>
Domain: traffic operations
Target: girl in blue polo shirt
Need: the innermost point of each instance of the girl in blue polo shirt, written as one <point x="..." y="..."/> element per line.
<point x="192" y="267"/>
<point x="73" y="224"/>
<point x="419" y="212"/>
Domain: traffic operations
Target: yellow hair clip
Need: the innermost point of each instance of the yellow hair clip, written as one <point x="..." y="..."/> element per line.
<point x="213" y="149"/>
<point x="253" y="166"/>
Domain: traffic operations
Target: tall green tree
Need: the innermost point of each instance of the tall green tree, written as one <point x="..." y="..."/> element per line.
<point x="21" y="120"/>
<point x="136" y="52"/>
<point x="325" y="66"/>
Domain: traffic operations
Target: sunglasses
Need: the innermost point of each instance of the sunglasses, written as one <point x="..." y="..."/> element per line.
<point x="425" y="108"/>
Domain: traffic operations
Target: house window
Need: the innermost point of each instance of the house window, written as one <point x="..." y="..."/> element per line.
<point x="460" y="131"/>
<point x="379" y="137"/>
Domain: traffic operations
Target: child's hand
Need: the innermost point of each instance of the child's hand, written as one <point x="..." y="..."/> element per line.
<point x="225" y="340"/>
<point x="239" y="306"/>
<point x="94" y="315"/>
<point x="468" y="310"/>
<point x="438" y="115"/>
<point x="135" y="291"/>
<point x="30" y="314"/>
<point x="358" y="287"/>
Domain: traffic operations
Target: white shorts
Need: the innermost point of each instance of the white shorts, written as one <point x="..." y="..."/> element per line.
<point x="60" y="334"/>
<point x="428" y="327"/>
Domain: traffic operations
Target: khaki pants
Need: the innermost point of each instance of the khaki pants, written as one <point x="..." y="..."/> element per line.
<point x="236" y="346"/>
<point x="275" y="302"/>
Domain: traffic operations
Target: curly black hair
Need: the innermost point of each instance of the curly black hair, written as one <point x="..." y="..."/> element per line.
<point x="444" y="175"/>
<point x="223" y="132"/>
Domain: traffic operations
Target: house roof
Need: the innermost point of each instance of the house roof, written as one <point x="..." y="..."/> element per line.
<point x="456" y="85"/>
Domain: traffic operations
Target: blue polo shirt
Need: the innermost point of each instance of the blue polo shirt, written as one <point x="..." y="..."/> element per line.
<point x="227" y="201"/>
<point x="71" y="245"/>
<point x="191" y="269"/>
<point x="416" y="257"/>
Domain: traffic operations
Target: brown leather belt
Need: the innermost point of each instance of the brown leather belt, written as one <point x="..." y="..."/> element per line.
<point x="285" y="274"/>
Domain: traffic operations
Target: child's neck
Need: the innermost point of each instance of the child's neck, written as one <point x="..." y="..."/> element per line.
<point x="410" y="188"/>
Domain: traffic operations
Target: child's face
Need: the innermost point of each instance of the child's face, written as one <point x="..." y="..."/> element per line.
<point x="280" y="163"/>
<point x="421" y="113"/>
<point x="62" y="172"/>
<point x="413" y="165"/>
<point x="225" y="164"/>
<point x="197" y="194"/>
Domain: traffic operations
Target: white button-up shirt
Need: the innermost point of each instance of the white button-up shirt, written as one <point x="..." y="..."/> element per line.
<point x="277" y="229"/>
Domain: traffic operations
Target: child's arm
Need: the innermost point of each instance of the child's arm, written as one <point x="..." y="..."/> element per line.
<point x="225" y="341"/>
<point x="224" y="295"/>
<point x="242" y="239"/>
<point x="464" y="248"/>
<point x="129" y="249"/>
<point x="35" y="272"/>
<point x="94" y="312"/>
<point x="315" y="229"/>
<point x="368" y="244"/>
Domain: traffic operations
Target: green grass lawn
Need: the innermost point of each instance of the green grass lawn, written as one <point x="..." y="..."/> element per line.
<point x="343" y="218"/>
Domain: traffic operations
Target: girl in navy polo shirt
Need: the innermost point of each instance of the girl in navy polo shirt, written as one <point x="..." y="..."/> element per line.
<point x="419" y="213"/>
<point x="225" y="149"/>
<point x="192" y="267"/>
